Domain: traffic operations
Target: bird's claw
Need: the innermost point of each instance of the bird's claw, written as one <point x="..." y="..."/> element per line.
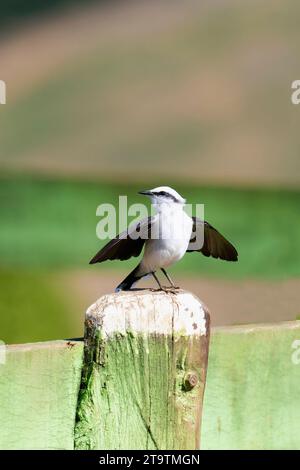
<point x="166" y="289"/>
<point x="171" y="289"/>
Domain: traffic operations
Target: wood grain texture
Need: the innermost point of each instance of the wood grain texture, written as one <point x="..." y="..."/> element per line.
<point x="144" y="374"/>
<point x="251" y="399"/>
<point x="39" y="386"/>
<point x="253" y="388"/>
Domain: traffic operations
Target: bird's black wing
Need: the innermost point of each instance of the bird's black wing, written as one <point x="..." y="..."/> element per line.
<point x="127" y="244"/>
<point x="214" y="244"/>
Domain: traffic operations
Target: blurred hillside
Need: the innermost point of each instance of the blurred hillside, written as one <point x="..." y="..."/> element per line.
<point x="187" y="91"/>
<point x="13" y="11"/>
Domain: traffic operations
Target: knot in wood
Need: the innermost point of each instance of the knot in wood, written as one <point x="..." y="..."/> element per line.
<point x="190" y="381"/>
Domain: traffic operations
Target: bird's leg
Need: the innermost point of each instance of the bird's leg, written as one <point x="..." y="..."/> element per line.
<point x="157" y="280"/>
<point x="171" y="290"/>
<point x="169" y="279"/>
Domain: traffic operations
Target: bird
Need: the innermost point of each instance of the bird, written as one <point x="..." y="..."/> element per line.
<point x="166" y="237"/>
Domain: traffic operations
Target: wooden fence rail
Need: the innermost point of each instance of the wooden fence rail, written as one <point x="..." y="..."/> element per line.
<point x="139" y="382"/>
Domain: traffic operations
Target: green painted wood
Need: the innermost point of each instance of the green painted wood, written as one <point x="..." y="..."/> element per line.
<point x="252" y="398"/>
<point x="39" y="386"/>
<point x="145" y="368"/>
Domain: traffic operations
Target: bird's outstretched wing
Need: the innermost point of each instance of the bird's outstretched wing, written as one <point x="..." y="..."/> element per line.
<point x="214" y="244"/>
<point x="127" y="244"/>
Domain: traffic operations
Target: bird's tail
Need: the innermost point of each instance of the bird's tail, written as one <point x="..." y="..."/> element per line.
<point x="128" y="282"/>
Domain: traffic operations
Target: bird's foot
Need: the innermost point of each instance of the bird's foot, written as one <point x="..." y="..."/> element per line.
<point x="166" y="289"/>
<point x="171" y="289"/>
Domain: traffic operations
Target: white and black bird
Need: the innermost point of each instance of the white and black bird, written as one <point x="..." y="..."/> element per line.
<point x="166" y="237"/>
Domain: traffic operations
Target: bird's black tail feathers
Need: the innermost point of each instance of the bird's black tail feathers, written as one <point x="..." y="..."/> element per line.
<point x="128" y="282"/>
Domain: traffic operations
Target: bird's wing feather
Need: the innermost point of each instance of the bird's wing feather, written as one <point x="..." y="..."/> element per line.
<point x="214" y="244"/>
<point x="127" y="244"/>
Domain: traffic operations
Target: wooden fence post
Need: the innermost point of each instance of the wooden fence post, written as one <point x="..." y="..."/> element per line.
<point x="144" y="372"/>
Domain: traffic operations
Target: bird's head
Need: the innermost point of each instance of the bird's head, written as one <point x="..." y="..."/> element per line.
<point x="163" y="195"/>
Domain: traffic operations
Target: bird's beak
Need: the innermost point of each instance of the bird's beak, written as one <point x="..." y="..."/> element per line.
<point x="145" y="193"/>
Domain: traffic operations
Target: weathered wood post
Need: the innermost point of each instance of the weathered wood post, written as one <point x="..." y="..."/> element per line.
<point x="144" y="372"/>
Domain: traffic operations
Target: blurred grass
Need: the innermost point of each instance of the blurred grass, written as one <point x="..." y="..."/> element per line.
<point x="47" y="224"/>
<point x="32" y="308"/>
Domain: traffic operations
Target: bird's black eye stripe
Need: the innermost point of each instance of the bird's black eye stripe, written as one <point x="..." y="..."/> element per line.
<point x="164" y="193"/>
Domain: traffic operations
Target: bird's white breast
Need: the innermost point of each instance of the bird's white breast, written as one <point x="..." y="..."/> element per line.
<point x="172" y="229"/>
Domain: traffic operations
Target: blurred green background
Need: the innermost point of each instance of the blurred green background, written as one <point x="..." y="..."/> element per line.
<point x="106" y="98"/>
